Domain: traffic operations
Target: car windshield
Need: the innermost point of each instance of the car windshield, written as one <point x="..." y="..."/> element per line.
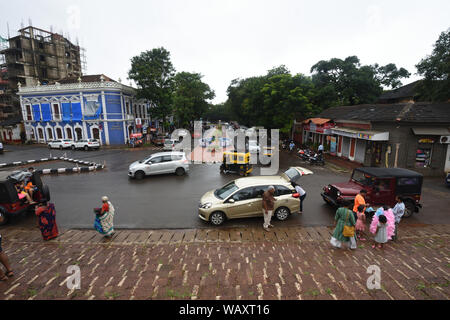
<point x="363" y="178"/>
<point x="226" y="191"/>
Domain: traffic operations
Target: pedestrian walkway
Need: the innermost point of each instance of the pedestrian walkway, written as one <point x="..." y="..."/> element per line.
<point x="226" y="263"/>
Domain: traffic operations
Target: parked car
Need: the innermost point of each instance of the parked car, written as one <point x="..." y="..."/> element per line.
<point x="61" y="144"/>
<point x="88" y="144"/>
<point x="159" y="140"/>
<point x="160" y="163"/>
<point x="382" y="185"/>
<point x="447" y="179"/>
<point x="10" y="205"/>
<point x="242" y="198"/>
<point x="253" y="147"/>
<point x="1" y="147"/>
<point x="169" y="144"/>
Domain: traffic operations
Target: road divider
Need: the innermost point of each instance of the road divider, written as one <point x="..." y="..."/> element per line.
<point x="87" y="166"/>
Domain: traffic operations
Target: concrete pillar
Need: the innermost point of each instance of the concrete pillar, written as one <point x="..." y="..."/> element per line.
<point x="105" y="117"/>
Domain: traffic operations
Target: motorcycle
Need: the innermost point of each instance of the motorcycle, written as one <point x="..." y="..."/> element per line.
<point x="304" y="154"/>
<point x="317" y="159"/>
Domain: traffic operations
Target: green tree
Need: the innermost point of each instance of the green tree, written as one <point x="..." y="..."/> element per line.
<point x="153" y="73"/>
<point x="273" y="100"/>
<point x="286" y="98"/>
<point x="221" y="111"/>
<point x="389" y="76"/>
<point x="190" y="97"/>
<point x="347" y="82"/>
<point x="435" y="69"/>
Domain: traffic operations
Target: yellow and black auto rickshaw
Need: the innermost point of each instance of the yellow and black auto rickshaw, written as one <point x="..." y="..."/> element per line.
<point x="236" y="162"/>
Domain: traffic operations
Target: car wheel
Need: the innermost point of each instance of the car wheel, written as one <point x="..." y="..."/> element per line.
<point x="282" y="213"/>
<point x="46" y="193"/>
<point x="60" y="147"/>
<point x="180" y="172"/>
<point x="72" y="147"/>
<point x="3" y="217"/>
<point x="139" y="175"/>
<point x="217" y="218"/>
<point x="49" y="146"/>
<point x="86" y="148"/>
<point x="409" y="208"/>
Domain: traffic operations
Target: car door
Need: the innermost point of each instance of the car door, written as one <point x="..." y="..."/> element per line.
<point x="258" y="192"/>
<point x="284" y="198"/>
<point x="383" y="192"/>
<point x="241" y="204"/>
<point x="168" y="164"/>
<point x="154" y="166"/>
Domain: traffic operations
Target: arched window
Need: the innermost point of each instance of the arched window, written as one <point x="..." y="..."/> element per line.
<point x="59" y="134"/>
<point x="96" y="133"/>
<point x="69" y="133"/>
<point x="79" y="133"/>
<point x="49" y="134"/>
<point x="41" y="133"/>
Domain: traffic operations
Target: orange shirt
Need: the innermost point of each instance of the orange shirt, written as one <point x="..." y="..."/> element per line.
<point x="359" y="200"/>
<point x="29" y="186"/>
<point x="105" y="207"/>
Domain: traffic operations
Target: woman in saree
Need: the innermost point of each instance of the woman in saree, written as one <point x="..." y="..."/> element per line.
<point x="47" y="220"/>
<point x="104" y="221"/>
<point x="344" y="217"/>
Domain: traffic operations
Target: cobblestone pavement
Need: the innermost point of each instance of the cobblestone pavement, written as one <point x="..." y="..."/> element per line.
<point x="248" y="264"/>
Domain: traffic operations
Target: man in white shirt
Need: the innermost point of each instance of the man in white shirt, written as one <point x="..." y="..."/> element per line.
<point x="399" y="211"/>
<point x="302" y="194"/>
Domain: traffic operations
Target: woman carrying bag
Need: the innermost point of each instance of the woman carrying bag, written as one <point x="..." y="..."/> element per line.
<point x="344" y="231"/>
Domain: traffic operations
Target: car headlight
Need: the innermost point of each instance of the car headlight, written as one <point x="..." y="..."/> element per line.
<point x="338" y="193"/>
<point x="206" y="205"/>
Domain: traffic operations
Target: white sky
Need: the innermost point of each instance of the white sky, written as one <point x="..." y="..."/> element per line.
<point x="229" y="39"/>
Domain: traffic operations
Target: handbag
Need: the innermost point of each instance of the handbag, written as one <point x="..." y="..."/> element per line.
<point x="348" y="231"/>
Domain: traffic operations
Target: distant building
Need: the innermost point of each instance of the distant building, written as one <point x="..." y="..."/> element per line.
<point x="32" y="56"/>
<point x="93" y="106"/>
<point x="397" y="131"/>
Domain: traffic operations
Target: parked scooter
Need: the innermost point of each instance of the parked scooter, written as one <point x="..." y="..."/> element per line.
<point x="317" y="159"/>
<point x="305" y="154"/>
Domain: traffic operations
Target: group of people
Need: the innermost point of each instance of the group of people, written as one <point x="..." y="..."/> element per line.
<point x="351" y="224"/>
<point x="25" y="189"/>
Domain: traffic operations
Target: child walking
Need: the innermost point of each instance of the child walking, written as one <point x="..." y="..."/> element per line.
<point x="381" y="234"/>
<point x="361" y="223"/>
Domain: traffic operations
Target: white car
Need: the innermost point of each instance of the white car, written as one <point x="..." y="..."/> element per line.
<point x="253" y="147"/>
<point x="60" y="144"/>
<point x="87" y="144"/>
<point x="160" y="163"/>
<point x="169" y="144"/>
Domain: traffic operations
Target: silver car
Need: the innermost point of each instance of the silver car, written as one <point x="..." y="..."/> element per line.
<point x="160" y="163"/>
<point x="169" y="144"/>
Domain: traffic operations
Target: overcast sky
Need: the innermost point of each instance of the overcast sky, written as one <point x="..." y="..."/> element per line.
<point x="229" y="39"/>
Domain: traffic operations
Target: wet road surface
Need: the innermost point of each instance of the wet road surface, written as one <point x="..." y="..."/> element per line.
<point x="169" y="201"/>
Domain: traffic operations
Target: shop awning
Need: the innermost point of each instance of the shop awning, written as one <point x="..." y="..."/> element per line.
<point x="361" y="134"/>
<point x="428" y="131"/>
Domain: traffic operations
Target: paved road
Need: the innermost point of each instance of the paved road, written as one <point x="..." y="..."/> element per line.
<point x="170" y="202"/>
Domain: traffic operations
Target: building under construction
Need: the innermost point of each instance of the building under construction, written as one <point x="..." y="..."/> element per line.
<point x="32" y="56"/>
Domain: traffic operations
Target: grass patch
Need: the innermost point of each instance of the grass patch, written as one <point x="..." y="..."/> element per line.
<point x="175" y="294"/>
<point x="329" y="291"/>
<point x="421" y="286"/>
<point x="112" y="295"/>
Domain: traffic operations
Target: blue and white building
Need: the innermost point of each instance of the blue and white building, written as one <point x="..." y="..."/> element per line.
<point x="88" y="107"/>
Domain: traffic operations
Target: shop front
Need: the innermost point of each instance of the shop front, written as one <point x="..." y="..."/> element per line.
<point x="359" y="145"/>
<point x="432" y="150"/>
<point x="317" y="131"/>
